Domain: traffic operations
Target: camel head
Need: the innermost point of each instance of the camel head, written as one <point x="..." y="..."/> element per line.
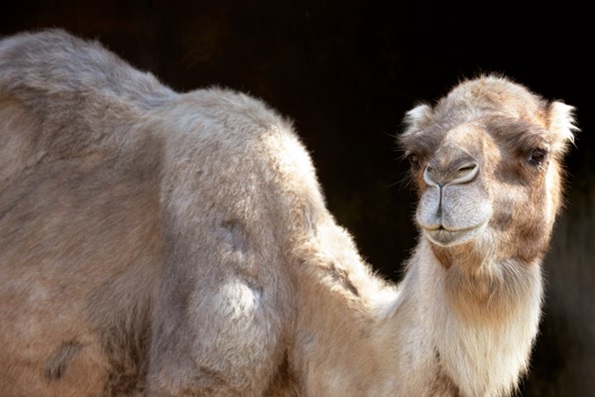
<point x="485" y="161"/>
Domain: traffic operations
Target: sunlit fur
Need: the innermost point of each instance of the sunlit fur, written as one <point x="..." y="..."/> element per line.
<point x="156" y="243"/>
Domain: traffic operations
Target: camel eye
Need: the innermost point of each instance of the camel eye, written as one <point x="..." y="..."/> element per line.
<point x="413" y="160"/>
<point x="537" y="156"/>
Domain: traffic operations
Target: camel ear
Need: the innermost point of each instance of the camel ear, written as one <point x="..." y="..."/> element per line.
<point x="562" y="124"/>
<point x="416" y="117"/>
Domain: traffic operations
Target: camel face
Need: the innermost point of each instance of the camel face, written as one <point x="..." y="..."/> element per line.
<point x="485" y="161"/>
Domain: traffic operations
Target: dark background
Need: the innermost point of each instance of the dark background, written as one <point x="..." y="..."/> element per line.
<point x="346" y="72"/>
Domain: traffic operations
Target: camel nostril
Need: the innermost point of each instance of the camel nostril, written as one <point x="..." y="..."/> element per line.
<point x="428" y="177"/>
<point x="436" y="177"/>
<point x="466" y="173"/>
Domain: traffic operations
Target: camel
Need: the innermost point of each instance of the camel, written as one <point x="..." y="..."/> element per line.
<point x="158" y="243"/>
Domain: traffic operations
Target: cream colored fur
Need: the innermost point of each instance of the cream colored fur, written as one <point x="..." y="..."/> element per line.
<point x="155" y="243"/>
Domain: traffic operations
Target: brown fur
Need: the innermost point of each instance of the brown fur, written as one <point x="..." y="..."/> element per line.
<point x="155" y="243"/>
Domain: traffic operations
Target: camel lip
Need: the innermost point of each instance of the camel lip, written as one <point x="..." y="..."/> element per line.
<point x="447" y="237"/>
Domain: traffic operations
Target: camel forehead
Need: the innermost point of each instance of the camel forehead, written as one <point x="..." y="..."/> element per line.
<point x="489" y="96"/>
<point x="489" y="107"/>
<point x="445" y="140"/>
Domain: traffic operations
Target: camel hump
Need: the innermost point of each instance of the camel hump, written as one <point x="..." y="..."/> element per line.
<point x="52" y="62"/>
<point x="62" y="97"/>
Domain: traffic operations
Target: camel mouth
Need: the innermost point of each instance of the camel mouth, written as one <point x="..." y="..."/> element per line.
<point x="450" y="237"/>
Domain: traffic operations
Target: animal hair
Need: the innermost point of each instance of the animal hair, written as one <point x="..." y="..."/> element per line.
<point x="158" y="243"/>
